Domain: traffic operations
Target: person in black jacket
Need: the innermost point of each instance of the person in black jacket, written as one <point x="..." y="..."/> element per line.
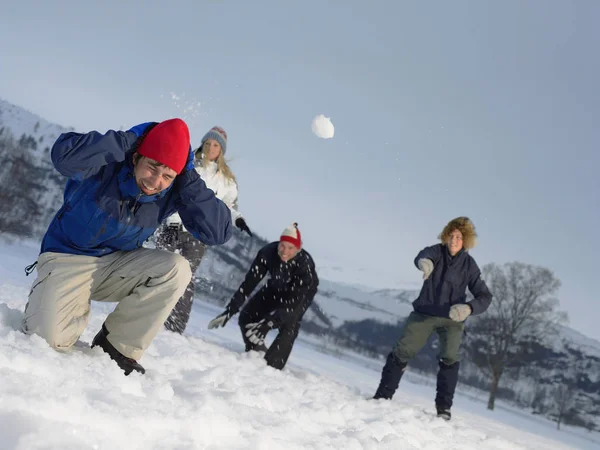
<point x="441" y="306"/>
<point x="280" y="303"/>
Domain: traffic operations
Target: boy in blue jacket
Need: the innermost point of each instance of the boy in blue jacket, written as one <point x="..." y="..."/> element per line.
<point x="121" y="186"/>
<point x="441" y="307"/>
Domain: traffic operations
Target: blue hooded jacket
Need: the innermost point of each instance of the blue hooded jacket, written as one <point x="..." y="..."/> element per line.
<point x="105" y="211"/>
<point x="447" y="284"/>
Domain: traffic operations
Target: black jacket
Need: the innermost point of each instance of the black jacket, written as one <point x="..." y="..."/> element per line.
<point x="447" y="285"/>
<point x="292" y="285"/>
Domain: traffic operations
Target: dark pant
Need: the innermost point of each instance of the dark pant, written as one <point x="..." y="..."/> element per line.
<point x="416" y="333"/>
<point x="257" y="309"/>
<point x="174" y="238"/>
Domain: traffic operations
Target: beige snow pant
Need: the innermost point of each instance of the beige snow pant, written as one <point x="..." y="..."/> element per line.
<point x="146" y="283"/>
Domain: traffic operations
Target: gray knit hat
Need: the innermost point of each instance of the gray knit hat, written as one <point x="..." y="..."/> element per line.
<point x="219" y="135"/>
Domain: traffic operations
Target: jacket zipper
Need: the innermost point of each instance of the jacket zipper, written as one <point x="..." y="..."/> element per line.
<point x="131" y="210"/>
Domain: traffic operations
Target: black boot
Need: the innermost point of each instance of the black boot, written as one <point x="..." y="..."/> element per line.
<point x="390" y="377"/>
<point x="260" y="348"/>
<point x="447" y="379"/>
<point x="256" y="347"/>
<point x="127" y="364"/>
<point x="444" y="413"/>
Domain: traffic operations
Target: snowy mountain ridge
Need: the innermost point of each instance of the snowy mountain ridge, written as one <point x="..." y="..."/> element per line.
<point x="22" y="122"/>
<point x="34" y="192"/>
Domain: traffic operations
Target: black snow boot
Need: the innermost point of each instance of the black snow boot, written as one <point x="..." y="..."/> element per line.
<point x="444" y="413"/>
<point x="127" y="364"/>
<point x="256" y="347"/>
<point x="260" y="348"/>
<point x="447" y="379"/>
<point x="390" y="377"/>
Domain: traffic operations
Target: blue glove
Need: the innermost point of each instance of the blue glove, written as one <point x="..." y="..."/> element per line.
<point x="139" y="129"/>
<point x="189" y="165"/>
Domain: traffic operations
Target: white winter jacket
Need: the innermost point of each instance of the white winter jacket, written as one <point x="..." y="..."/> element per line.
<point x="225" y="190"/>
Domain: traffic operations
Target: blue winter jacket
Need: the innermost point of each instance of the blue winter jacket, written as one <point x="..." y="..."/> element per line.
<point x="105" y="211"/>
<point x="447" y="284"/>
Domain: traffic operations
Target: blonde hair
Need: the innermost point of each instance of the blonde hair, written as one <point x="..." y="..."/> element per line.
<point x="467" y="229"/>
<point x="222" y="165"/>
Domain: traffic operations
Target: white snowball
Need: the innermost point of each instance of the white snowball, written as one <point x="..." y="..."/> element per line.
<point x="322" y="127"/>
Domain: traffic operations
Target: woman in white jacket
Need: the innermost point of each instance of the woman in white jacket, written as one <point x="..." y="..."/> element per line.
<point x="213" y="169"/>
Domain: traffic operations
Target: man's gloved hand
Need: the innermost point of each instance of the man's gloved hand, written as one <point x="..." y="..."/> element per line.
<point x="221" y="320"/>
<point x="460" y="312"/>
<point x="189" y="165"/>
<point x="426" y="266"/>
<point x="257" y="332"/>
<point x="241" y="224"/>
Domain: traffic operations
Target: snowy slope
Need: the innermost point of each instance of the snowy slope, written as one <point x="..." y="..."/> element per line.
<point x="370" y="321"/>
<point x="344" y="303"/>
<point x="364" y="278"/>
<point x="201" y="391"/>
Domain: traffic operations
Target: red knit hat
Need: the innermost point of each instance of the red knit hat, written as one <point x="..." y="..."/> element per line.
<point x="292" y="235"/>
<point x="168" y="143"/>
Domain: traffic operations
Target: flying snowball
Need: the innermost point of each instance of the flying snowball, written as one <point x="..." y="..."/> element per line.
<point x="322" y="127"/>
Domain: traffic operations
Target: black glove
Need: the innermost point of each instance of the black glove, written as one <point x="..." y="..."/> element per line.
<point x="221" y="320"/>
<point x="241" y="224"/>
<point x="257" y="332"/>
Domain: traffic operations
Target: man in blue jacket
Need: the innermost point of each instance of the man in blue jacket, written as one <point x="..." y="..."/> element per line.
<point x="121" y="186"/>
<point x="441" y="307"/>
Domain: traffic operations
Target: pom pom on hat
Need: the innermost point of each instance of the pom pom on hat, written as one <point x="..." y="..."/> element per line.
<point x="168" y="143"/>
<point x="292" y="235"/>
<point x="219" y="135"/>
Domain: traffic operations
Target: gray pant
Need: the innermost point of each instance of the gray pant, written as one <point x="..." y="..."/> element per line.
<point x="146" y="283"/>
<point x="418" y="329"/>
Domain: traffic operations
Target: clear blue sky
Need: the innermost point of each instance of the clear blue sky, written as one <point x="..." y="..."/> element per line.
<point x="478" y="108"/>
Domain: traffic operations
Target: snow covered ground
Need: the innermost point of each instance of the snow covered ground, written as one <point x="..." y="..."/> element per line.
<point x="201" y="391"/>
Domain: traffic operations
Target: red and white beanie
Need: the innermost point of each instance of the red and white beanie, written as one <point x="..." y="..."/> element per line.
<point x="292" y="235"/>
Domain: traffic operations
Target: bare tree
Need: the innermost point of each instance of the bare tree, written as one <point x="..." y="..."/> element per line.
<point x="8" y="150"/>
<point x="22" y="187"/>
<point x="523" y="314"/>
<point x="564" y="401"/>
<point x="539" y="398"/>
